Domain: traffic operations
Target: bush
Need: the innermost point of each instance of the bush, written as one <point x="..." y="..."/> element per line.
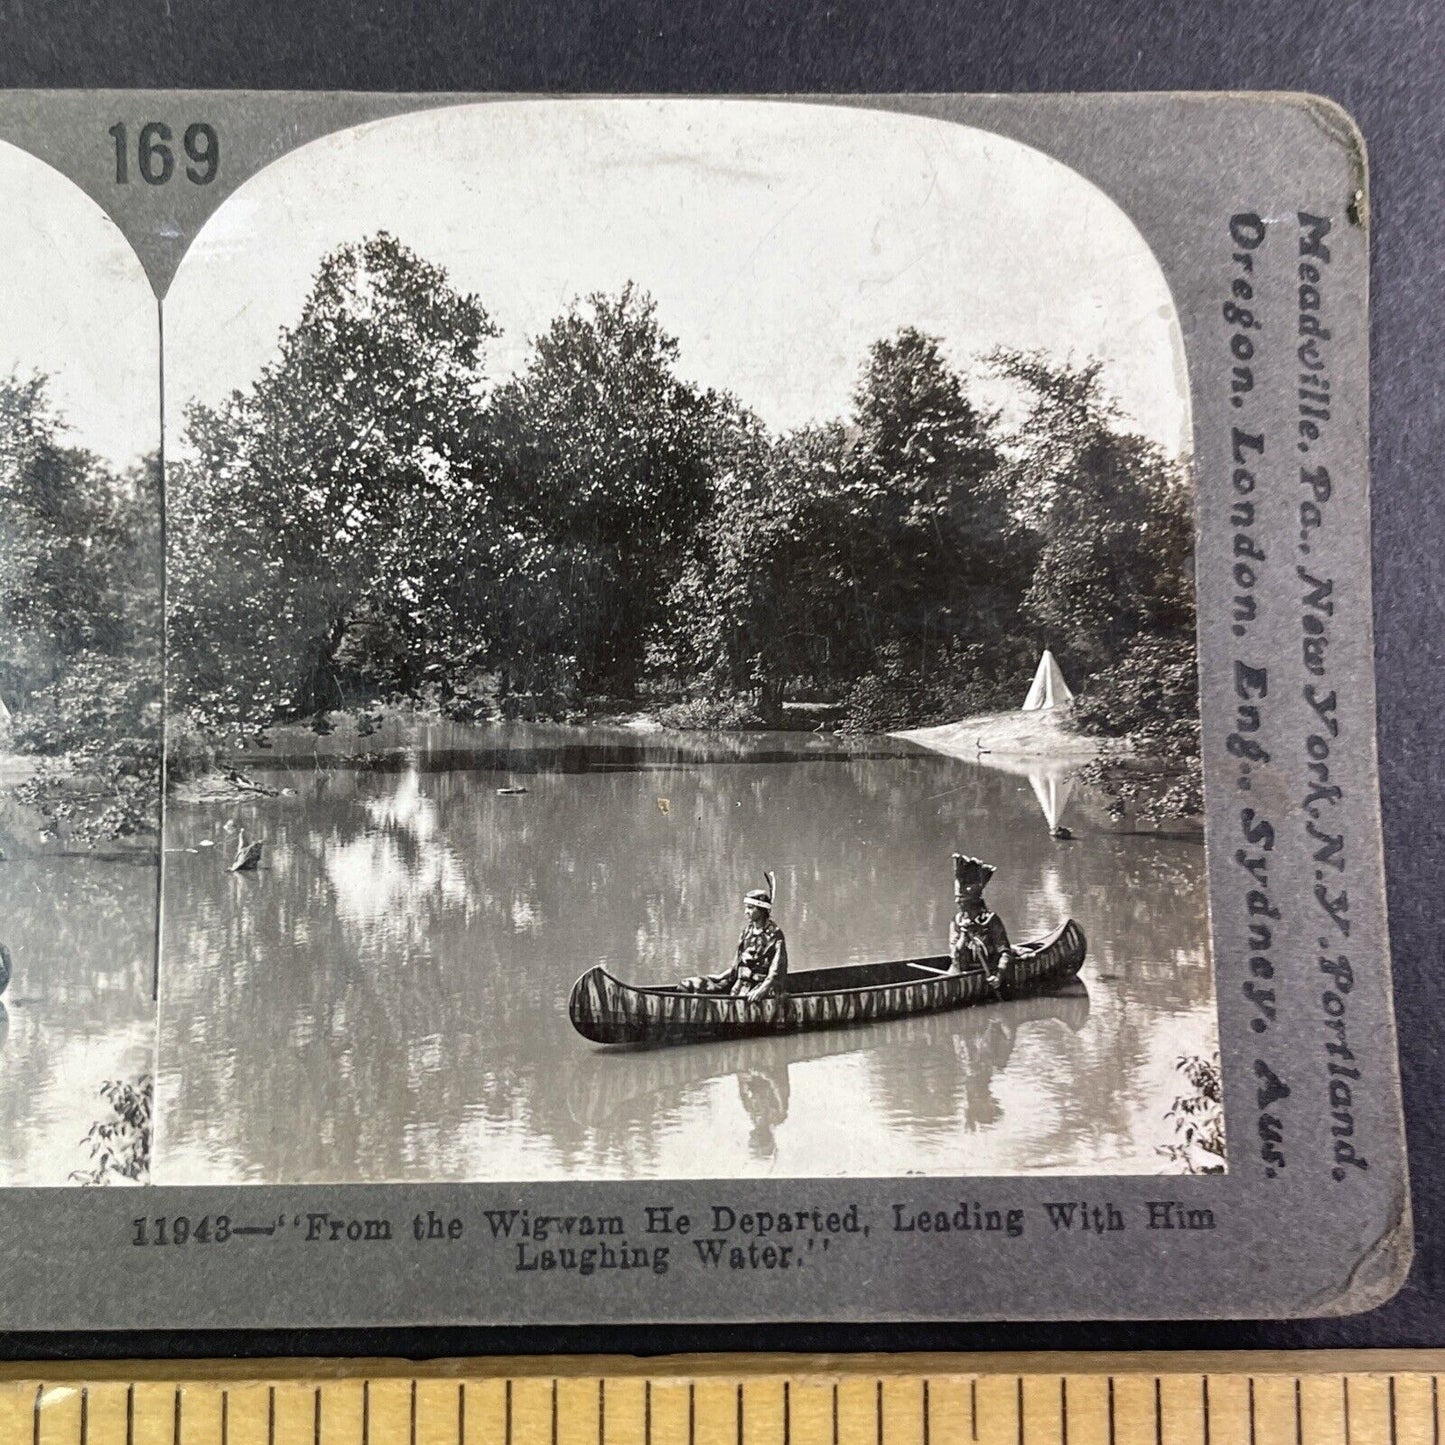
<point x="710" y="714"/>
<point x="1149" y="698"/>
<point x="97" y="732"/>
<point x="1150" y="695"/>
<point x="1198" y="1118"/>
<point x="963" y="681"/>
<point x="120" y="1146"/>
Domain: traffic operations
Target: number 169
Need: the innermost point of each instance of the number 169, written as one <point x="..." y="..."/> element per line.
<point x="156" y="160"/>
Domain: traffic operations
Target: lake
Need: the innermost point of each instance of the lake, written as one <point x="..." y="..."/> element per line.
<point x="385" y="999"/>
<point x="80" y="925"/>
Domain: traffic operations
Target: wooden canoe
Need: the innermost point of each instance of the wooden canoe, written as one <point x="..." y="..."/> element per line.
<point x="603" y="1087"/>
<point x="608" y="1011"/>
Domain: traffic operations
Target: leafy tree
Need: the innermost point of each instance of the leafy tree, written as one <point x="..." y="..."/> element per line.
<point x="287" y="515"/>
<point x="765" y="596"/>
<point x="607" y="449"/>
<point x="1113" y="589"/>
<point x="80" y="605"/>
<point x="1113" y="515"/>
<point x="60" y="543"/>
<point x="938" y="556"/>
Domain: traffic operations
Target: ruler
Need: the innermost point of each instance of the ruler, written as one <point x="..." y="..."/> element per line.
<point x="1315" y="1398"/>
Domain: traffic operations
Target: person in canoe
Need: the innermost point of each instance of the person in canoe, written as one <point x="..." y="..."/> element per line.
<point x="760" y="967"/>
<point x="977" y="939"/>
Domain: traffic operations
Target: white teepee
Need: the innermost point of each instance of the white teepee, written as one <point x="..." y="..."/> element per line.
<point x="1048" y="688"/>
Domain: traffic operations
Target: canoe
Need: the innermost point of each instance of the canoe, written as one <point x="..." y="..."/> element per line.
<point x="606" y="1010"/>
<point x="603" y="1087"/>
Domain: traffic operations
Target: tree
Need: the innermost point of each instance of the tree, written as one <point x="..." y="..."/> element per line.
<point x="1113" y="517"/>
<point x="287" y="513"/>
<point x="764" y="597"/>
<point x="1113" y="590"/>
<point x="607" y="451"/>
<point x="939" y="558"/>
<point x="80" y="608"/>
<point x="59" y="516"/>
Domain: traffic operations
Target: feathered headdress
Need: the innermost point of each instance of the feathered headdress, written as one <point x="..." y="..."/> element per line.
<point x="970" y="874"/>
<point x="763" y="897"/>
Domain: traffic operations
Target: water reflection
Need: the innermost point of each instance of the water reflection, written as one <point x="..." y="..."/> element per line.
<point x="385" y="999"/>
<point x="80" y="928"/>
<point x="959" y="1053"/>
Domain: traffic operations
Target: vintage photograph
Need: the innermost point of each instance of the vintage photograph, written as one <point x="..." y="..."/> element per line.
<point x="80" y="688"/>
<point x="681" y="662"/>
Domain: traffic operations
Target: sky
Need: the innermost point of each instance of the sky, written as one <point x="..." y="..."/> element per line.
<point x="779" y="241"/>
<point x="76" y="305"/>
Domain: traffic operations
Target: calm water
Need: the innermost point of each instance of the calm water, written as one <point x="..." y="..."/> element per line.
<point x="80" y="927"/>
<point x="386" y="998"/>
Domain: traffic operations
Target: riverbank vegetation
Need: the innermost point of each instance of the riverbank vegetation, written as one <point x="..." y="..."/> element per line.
<point x="375" y="520"/>
<point x="80" y="626"/>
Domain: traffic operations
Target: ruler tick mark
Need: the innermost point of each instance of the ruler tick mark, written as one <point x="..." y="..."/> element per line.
<point x="972" y="1413"/>
<point x="1299" y="1413"/>
<point x="601" y="1411"/>
<point x="691" y="1413"/>
<point x="1111" y="1410"/>
<point x="554" y="1412"/>
<point x="225" y="1417"/>
<point x="927" y="1414"/>
<point x="788" y="1417"/>
<point x="1204" y="1397"/>
<point x="176" y="1418"/>
<point x="316" y="1417"/>
<point x="1345" y="1394"/>
<point x="271" y="1416"/>
<point x="1434" y="1410"/>
<point x="84" y="1414"/>
<point x="413" y="1415"/>
<point x="130" y="1415"/>
<point x="1158" y="1412"/>
<point x="507" y="1415"/>
<point x="462" y="1413"/>
<point x="1019" y="1403"/>
<point x="35" y="1421"/>
<point x="647" y="1413"/>
<point x="835" y="1414"/>
<point x="1251" y="1411"/>
<point x="366" y="1412"/>
<point x="877" y="1415"/>
<point x="740" y="1415"/>
<point x="1394" y="1440"/>
<point x="1063" y="1410"/>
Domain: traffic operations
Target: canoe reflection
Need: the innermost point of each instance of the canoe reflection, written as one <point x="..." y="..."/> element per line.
<point x="611" y="1085"/>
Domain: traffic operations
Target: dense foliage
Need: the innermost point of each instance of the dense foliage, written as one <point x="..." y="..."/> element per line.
<point x="376" y="517"/>
<point x="80" y="628"/>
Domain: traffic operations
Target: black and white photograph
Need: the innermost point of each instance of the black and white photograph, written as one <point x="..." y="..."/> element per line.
<point x="681" y="662"/>
<point x="80" y="688"/>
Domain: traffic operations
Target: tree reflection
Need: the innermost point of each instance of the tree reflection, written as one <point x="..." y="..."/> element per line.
<point x="81" y="932"/>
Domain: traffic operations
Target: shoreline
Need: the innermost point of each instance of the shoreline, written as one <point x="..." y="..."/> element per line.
<point x="1039" y="736"/>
